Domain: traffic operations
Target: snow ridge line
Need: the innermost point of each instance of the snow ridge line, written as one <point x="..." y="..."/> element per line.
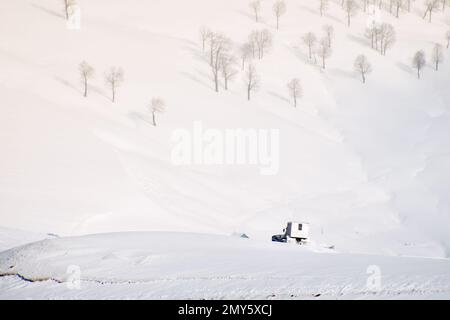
<point x="27" y="279"/>
<point x="106" y="281"/>
<point x="339" y="291"/>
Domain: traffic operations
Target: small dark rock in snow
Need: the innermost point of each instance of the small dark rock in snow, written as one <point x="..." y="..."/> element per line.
<point x="53" y="235"/>
<point x="240" y="235"/>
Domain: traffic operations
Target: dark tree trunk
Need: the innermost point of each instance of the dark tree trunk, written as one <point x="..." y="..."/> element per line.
<point x="66" y="7"/>
<point x="216" y="81"/>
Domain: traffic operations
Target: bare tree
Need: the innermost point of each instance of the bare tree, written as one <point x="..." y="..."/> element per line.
<point x="295" y="90"/>
<point x="67" y="5"/>
<point x="382" y="36"/>
<point x="363" y="66"/>
<point x="86" y="73"/>
<point x="430" y="7"/>
<point x="447" y="37"/>
<point x="351" y="8"/>
<point x="437" y="55"/>
<point x="323" y="6"/>
<point x="253" y="42"/>
<point x="329" y="33"/>
<point x="66" y="9"/>
<point x="205" y="33"/>
<point x="309" y="39"/>
<point x="246" y="52"/>
<point x="279" y="9"/>
<point x="263" y="40"/>
<point x="114" y="78"/>
<point x="324" y="51"/>
<point x="256" y="7"/>
<point x="219" y="47"/>
<point x="157" y="106"/>
<point x="260" y="41"/>
<point x="387" y="37"/>
<point x="408" y="5"/>
<point x="419" y="62"/>
<point x="213" y="41"/>
<point x="228" y="63"/>
<point x="372" y="34"/>
<point x="397" y="4"/>
<point x="252" y="80"/>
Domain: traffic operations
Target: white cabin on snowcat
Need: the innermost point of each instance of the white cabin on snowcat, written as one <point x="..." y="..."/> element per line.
<point x="295" y="232"/>
<point x="298" y="231"/>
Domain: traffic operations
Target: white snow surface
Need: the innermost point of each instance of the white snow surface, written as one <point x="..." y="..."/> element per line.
<point x="161" y="265"/>
<point x="10" y="238"/>
<point x="368" y="166"/>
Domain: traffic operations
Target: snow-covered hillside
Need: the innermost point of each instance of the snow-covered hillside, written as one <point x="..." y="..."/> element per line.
<point x="366" y="165"/>
<point x="10" y="238"/>
<point x="192" y="266"/>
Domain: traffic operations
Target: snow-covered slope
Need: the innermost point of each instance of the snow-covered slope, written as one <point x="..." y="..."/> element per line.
<point x="367" y="166"/>
<point x="10" y="238"/>
<point x="192" y="266"/>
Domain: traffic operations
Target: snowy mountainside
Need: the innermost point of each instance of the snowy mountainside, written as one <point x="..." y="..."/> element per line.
<point x="366" y="165"/>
